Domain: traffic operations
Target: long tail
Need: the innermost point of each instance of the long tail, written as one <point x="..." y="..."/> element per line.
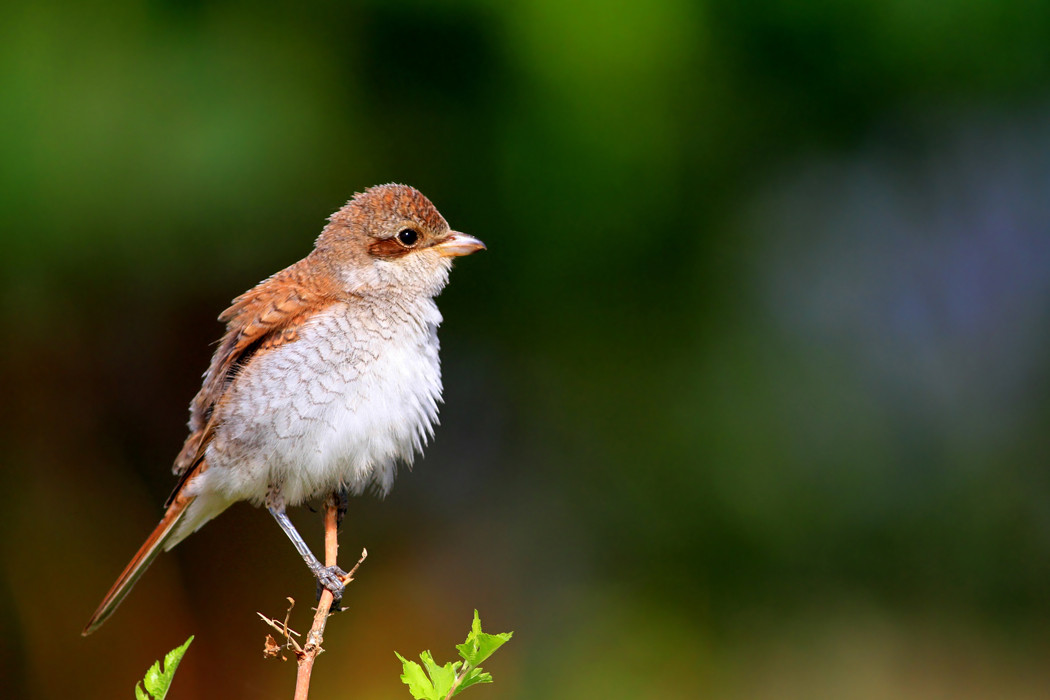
<point x="162" y="534"/>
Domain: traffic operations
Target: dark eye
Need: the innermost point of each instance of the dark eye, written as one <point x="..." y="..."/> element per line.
<point x="408" y="237"/>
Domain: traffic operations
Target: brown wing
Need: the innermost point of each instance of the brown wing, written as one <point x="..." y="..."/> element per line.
<point x="263" y="318"/>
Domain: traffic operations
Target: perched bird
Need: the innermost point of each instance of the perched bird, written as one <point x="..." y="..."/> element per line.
<point x="327" y="376"/>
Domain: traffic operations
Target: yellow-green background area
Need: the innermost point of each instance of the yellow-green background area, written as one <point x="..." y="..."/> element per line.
<point x="748" y="397"/>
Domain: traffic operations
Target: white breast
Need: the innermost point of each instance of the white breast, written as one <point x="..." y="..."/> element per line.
<point x="353" y="395"/>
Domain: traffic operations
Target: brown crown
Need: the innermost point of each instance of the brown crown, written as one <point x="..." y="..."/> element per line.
<point x="383" y="204"/>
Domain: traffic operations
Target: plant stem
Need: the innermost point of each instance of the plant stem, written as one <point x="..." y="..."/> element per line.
<point x="459" y="679"/>
<point x="315" y="636"/>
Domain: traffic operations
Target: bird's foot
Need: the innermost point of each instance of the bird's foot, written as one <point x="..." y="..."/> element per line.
<point x="331" y="578"/>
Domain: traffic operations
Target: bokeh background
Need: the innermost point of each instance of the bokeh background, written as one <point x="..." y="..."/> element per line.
<point x="748" y="397"/>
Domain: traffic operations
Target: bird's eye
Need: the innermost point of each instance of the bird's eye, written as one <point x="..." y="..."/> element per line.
<point x="408" y="237"/>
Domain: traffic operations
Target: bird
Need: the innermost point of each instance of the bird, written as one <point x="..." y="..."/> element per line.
<point x="327" y="377"/>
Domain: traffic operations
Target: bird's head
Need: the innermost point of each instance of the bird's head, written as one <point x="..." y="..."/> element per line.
<point x="391" y="237"/>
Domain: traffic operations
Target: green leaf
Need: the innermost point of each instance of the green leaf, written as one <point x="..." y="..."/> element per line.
<point x="418" y="683"/>
<point x="442" y="676"/>
<point x="435" y="682"/>
<point x="157" y="681"/>
<point x="422" y="687"/>
<point x="480" y="646"/>
<point x="475" y="676"/>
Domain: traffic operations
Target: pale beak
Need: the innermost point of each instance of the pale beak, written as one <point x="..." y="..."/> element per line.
<point x="456" y="243"/>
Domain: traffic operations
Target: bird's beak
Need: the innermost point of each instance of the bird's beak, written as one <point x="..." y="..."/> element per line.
<point x="456" y="243"/>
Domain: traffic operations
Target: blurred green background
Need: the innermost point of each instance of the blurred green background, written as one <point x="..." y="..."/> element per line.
<point x="748" y="397"/>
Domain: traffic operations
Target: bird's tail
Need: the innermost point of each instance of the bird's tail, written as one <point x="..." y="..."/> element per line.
<point x="154" y="544"/>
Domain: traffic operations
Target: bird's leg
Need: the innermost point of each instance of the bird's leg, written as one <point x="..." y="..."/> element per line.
<point x="342" y="498"/>
<point x="331" y="577"/>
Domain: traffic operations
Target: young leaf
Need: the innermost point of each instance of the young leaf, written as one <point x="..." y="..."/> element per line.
<point x="422" y="687"/>
<point x="436" y="681"/>
<point x="418" y="683"/>
<point x="441" y="676"/>
<point x="475" y="676"/>
<point x="480" y="646"/>
<point x="157" y="681"/>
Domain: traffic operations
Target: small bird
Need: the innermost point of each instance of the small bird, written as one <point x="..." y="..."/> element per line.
<point x="327" y="377"/>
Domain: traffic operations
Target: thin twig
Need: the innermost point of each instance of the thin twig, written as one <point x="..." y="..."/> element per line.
<point x="287" y="614"/>
<point x="316" y="634"/>
<point x="463" y="671"/>
<point x="285" y="630"/>
<point x="350" y="574"/>
<point x="307" y="653"/>
<point x="281" y="627"/>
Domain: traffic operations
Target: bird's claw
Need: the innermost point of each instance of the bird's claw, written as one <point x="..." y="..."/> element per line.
<point x="331" y="578"/>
